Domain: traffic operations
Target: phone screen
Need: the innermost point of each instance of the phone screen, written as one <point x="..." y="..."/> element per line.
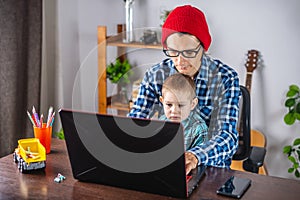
<point x="234" y="187"/>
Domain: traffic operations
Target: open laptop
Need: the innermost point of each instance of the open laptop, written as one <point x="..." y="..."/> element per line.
<point x="138" y="154"/>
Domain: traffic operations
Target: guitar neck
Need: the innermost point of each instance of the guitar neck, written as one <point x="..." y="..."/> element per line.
<point x="251" y="64"/>
<point x="249" y="81"/>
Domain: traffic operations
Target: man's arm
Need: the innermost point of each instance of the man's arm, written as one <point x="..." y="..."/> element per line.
<point x="144" y="102"/>
<point x="219" y="150"/>
<point x="148" y="95"/>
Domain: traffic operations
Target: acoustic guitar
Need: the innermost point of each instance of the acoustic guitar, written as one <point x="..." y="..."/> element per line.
<point x="253" y="61"/>
<point x="251" y="65"/>
<point x="257" y="138"/>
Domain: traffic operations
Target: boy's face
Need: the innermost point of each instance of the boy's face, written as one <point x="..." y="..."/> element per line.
<point x="177" y="105"/>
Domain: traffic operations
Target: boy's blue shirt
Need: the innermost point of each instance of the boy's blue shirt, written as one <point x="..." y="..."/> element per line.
<point x="195" y="129"/>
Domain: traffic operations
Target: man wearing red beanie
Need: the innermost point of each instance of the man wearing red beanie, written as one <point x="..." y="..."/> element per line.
<point x="185" y="40"/>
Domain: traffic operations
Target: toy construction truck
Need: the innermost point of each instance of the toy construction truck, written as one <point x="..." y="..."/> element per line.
<point x="30" y="155"/>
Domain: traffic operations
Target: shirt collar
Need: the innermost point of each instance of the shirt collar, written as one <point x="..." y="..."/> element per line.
<point x="203" y="70"/>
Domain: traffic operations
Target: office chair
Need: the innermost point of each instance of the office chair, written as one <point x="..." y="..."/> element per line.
<point x="248" y="157"/>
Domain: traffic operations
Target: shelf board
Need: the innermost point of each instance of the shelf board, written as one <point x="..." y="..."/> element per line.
<point x="117" y="41"/>
<point x="119" y="106"/>
<point x="116" y="104"/>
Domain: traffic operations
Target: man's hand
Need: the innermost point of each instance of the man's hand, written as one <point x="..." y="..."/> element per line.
<point x="191" y="162"/>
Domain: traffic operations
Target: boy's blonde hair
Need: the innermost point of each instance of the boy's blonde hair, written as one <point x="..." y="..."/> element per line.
<point x="178" y="83"/>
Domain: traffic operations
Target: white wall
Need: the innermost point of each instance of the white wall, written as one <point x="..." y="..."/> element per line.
<point x="270" y="26"/>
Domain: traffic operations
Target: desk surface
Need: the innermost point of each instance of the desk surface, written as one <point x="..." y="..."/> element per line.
<point x="41" y="185"/>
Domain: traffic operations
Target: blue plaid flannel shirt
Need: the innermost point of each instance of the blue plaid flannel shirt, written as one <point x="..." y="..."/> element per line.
<point x="218" y="91"/>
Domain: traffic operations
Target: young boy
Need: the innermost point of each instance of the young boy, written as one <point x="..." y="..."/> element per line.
<point x="179" y="101"/>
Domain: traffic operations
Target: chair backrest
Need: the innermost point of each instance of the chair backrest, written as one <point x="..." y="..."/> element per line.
<point x="257" y="139"/>
<point x="244" y="131"/>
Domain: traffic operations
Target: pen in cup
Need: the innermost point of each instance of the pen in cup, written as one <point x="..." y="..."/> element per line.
<point x="30" y="118"/>
<point x="36" y="116"/>
<point x="41" y="120"/>
<point x="50" y="121"/>
<point x="49" y="113"/>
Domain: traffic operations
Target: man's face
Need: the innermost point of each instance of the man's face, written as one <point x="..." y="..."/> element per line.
<point x="185" y="42"/>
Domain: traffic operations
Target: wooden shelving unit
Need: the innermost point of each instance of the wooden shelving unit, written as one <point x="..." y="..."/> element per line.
<point x="105" y="102"/>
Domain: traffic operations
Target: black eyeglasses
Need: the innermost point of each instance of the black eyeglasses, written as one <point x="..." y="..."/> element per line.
<point x="190" y="53"/>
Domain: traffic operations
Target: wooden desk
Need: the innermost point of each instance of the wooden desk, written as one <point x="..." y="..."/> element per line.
<point x="41" y="185"/>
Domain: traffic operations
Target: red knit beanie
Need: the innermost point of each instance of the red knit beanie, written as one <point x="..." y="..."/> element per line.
<point x="187" y="19"/>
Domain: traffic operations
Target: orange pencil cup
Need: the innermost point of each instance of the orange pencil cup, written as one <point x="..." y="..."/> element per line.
<point x="44" y="134"/>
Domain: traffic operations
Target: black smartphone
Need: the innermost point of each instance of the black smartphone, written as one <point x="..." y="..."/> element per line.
<point x="234" y="187"/>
